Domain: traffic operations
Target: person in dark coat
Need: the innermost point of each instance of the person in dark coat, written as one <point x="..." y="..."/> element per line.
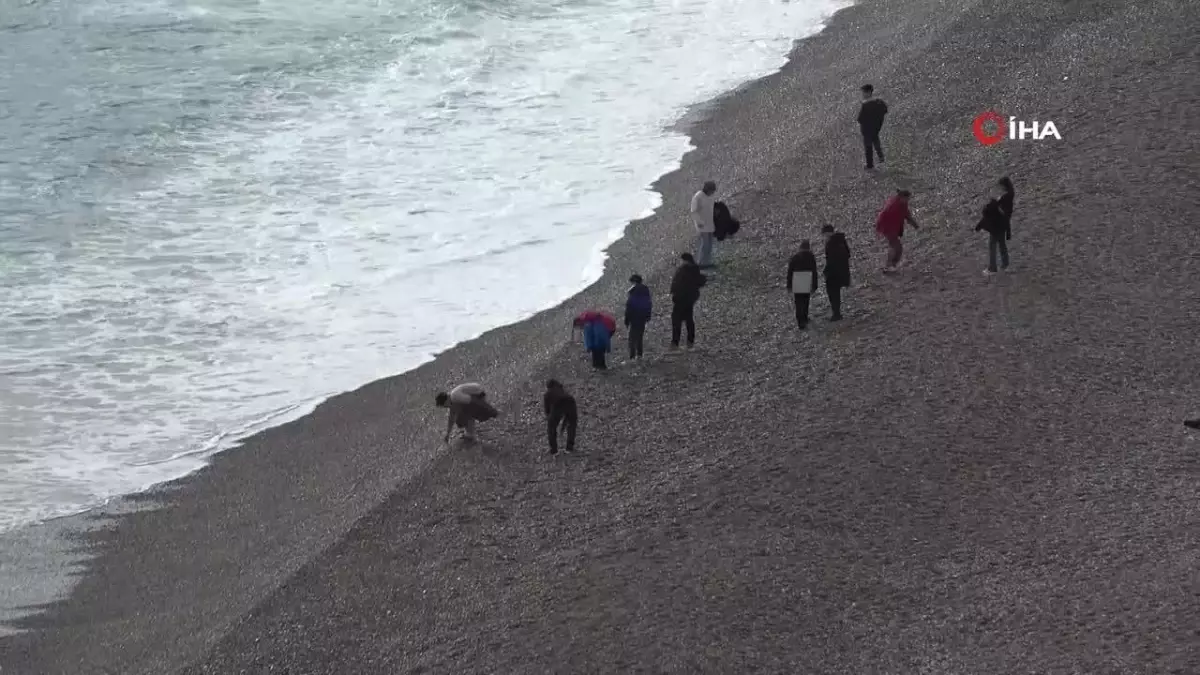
<point x="685" y="293"/>
<point x="870" y="123"/>
<point x="802" y="269"/>
<point x="561" y="414"/>
<point x="638" y="307"/>
<point x="1007" y="196"/>
<point x="837" y="269"/>
<point x="996" y="225"/>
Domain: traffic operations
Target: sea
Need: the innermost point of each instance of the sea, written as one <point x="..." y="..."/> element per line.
<point x="214" y="214"/>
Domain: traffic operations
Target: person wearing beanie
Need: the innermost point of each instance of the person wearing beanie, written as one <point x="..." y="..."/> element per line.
<point x="837" y="269"/>
<point x="685" y="293"/>
<point x="802" y="281"/>
<point x="638" y="306"/>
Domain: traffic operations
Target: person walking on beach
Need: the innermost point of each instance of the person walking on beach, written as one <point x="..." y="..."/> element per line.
<point x="837" y="269"/>
<point x="702" y="217"/>
<point x="598" y="340"/>
<point x="870" y="123"/>
<point x="995" y="223"/>
<point x="685" y="293"/>
<point x="890" y="226"/>
<point x="467" y="405"/>
<point x="638" y="306"/>
<point x="561" y="414"/>
<point x="802" y="281"/>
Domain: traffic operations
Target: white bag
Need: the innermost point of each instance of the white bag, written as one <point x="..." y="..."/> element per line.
<point x="802" y="282"/>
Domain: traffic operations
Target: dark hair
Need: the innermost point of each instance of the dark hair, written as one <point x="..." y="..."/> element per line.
<point x="553" y="384"/>
<point x="710" y="186"/>
<point x="828" y="229"/>
<point x="687" y="257"/>
<point x="868" y="88"/>
<point x="441" y="399"/>
<point x="903" y="193"/>
<point x="805" y="245"/>
<point x="635" y="279"/>
<point x="1006" y="184"/>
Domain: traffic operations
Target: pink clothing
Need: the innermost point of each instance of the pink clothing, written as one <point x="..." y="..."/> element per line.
<point x="890" y="222"/>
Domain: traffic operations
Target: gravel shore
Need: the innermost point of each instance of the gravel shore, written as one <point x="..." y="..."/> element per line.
<point x="968" y="475"/>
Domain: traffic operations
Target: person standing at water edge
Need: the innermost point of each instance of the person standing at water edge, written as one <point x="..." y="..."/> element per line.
<point x="870" y="123"/>
<point x="685" y="293"/>
<point x="467" y="405"/>
<point x="561" y="414"/>
<point x="802" y="281"/>
<point x="702" y="217"/>
<point x="837" y="269"/>
<point x="638" y="306"/>
<point x="996" y="225"/>
<point x="890" y="226"/>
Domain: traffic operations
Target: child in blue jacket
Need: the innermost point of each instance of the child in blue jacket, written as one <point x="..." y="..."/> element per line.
<point x="598" y="341"/>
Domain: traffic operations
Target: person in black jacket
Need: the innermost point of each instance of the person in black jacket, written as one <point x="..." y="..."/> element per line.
<point x="996" y="225"/>
<point x="870" y="122"/>
<point x="561" y="413"/>
<point x="837" y="269"/>
<point x="802" y="269"/>
<point x="1008" y="194"/>
<point x="639" y="305"/>
<point x="685" y="293"/>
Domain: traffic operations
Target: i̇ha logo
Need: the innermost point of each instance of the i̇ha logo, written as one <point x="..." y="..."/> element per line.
<point x="1014" y="129"/>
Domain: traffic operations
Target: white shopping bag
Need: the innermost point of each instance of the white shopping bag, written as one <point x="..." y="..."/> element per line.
<point x="802" y="282"/>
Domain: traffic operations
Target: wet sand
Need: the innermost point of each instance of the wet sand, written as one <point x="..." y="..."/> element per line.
<point x="967" y="475"/>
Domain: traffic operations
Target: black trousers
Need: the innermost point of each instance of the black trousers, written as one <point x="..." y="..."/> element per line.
<point x="637" y="338"/>
<point x="564" y="416"/>
<point x="598" y="360"/>
<point x="802" y="300"/>
<point x="834" y="292"/>
<point x="871" y="142"/>
<point x="683" y="314"/>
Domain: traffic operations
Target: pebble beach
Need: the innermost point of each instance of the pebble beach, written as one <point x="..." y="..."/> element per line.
<point x="967" y="475"/>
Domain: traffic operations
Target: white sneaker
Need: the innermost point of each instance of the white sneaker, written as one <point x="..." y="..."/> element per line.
<point x="988" y="273"/>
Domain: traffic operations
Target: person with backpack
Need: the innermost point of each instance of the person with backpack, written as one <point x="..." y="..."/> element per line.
<point x="837" y="269"/>
<point x="890" y="225"/>
<point x="638" y="306"/>
<point x="561" y="414"/>
<point x="685" y="293"/>
<point x="802" y="281"/>
<point x="598" y="340"/>
<point x="995" y="223"/>
<point x="703" y="203"/>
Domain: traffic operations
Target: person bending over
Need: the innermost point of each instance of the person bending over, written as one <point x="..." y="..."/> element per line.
<point x="467" y="404"/>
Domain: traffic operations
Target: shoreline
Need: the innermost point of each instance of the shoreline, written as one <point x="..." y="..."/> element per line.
<point x="88" y="524"/>
<point x="891" y="519"/>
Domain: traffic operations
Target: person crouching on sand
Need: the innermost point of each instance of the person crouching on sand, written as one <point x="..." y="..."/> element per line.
<point x="995" y="223"/>
<point x="802" y="281"/>
<point x="685" y="293"/>
<point x="561" y="414"/>
<point x="890" y="226"/>
<point x="639" y="305"/>
<point x="467" y="405"/>
<point x="837" y="269"/>
<point x="597" y="340"/>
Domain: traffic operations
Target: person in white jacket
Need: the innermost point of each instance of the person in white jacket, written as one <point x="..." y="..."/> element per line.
<point x="702" y="218"/>
<point x="468" y="404"/>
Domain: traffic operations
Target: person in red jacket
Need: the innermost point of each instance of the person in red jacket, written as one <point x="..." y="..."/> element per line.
<point x="890" y="226"/>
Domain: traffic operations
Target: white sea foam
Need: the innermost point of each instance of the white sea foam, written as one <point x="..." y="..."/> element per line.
<point x="338" y="231"/>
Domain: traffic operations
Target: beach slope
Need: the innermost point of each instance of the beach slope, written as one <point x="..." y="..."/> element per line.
<point x="967" y="475"/>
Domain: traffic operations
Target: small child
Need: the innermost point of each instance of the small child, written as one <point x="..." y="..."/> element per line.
<point x="561" y="413"/>
<point x="598" y="341"/>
